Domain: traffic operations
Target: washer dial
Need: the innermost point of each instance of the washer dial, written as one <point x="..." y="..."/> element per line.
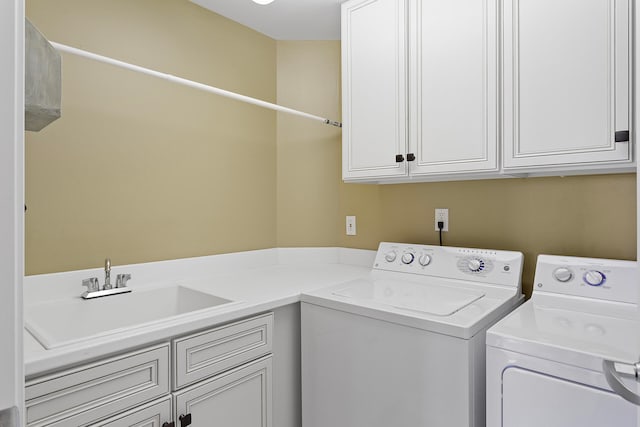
<point x="562" y="274"/>
<point x="424" y="260"/>
<point x="407" y="257"/>
<point x="594" y="278"/>
<point x="475" y="265"/>
<point x="390" y="256"/>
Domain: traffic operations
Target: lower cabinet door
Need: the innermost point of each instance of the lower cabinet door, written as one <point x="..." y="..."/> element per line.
<point x="154" y="414"/>
<point x="240" y="397"/>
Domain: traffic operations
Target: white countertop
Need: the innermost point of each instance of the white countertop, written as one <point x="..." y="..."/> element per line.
<point x="257" y="281"/>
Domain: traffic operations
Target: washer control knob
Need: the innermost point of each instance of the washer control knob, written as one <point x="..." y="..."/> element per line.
<point x="390" y="256"/>
<point x="562" y="274"/>
<point x="475" y="265"/>
<point x="594" y="278"/>
<point x="407" y="257"/>
<point x="424" y="260"/>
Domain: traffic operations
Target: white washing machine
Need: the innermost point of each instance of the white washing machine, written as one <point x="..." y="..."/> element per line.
<point x="569" y="356"/>
<point x="404" y="347"/>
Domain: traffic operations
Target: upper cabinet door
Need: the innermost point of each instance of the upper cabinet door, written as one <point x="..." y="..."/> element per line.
<point x="566" y="84"/>
<point x="454" y="86"/>
<point x="374" y="89"/>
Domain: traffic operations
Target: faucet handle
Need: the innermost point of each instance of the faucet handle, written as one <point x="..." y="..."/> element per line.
<point x="91" y="284"/>
<point x="122" y="279"/>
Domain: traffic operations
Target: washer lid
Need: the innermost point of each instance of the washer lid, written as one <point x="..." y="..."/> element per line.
<point x="456" y="308"/>
<point x="435" y="300"/>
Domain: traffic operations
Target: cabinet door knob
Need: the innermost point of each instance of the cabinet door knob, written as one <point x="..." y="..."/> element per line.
<point x="411" y="157"/>
<point x="185" y="420"/>
<point x="399" y="158"/>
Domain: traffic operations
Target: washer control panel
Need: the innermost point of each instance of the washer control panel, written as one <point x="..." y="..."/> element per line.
<point x="479" y="265"/>
<point x="607" y="279"/>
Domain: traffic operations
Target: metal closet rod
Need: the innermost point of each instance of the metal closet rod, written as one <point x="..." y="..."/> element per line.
<point x="190" y="83"/>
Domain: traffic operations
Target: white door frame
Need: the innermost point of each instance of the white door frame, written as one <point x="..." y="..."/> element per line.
<point x="11" y="210"/>
<point x="635" y="83"/>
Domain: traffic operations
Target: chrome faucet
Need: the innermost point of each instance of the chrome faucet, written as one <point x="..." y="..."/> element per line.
<point x="107" y="274"/>
<point x="93" y="286"/>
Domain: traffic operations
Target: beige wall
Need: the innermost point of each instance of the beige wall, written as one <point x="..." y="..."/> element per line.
<point x="309" y="171"/>
<point x="130" y="174"/>
<point x="140" y="169"/>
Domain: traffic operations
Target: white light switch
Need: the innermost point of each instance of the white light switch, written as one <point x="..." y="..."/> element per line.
<point x="351" y="226"/>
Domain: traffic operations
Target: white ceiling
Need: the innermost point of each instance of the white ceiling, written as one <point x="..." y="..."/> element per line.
<point x="283" y="19"/>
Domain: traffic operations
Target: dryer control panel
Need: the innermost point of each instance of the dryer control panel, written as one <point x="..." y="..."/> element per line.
<point x="604" y="279"/>
<point x="475" y="265"/>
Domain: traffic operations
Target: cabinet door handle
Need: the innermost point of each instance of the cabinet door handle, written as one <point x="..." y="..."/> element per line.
<point x="411" y="157"/>
<point x="185" y="420"/>
<point x="399" y="158"/>
<point x="171" y="424"/>
<point x="622" y="136"/>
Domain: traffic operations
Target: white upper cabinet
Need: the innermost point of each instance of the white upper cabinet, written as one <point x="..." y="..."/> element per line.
<point x="453" y="86"/>
<point x="374" y="85"/>
<point x="443" y="121"/>
<point x="566" y="85"/>
<point x="433" y="90"/>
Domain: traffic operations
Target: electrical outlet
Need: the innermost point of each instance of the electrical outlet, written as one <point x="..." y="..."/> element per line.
<point x="442" y="215"/>
<point x="351" y="226"/>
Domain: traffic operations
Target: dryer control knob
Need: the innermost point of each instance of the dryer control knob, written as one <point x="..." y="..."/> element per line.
<point x="594" y="278"/>
<point x="390" y="256"/>
<point x="407" y="257"/>
<point x="424" y="260"/>
<point x="562" y="274"/>
<point x="475" y="265"/>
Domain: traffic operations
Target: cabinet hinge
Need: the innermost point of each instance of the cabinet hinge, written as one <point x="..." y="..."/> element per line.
<point x="622" y="136"/>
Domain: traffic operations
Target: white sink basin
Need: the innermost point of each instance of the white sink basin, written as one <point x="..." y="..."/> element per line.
<point x="63" y="322"/>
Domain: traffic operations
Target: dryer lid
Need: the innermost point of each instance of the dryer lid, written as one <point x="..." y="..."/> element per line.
<point x="576" y="332"/>
<point x="428" y="299"/>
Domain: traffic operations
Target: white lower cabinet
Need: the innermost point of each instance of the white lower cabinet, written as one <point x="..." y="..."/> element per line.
<point x="154" y="414"/>
<point x="239" y="398"/>
<point x="205" y="354"/>
<point x="83" y="395"/>
<point x="221" y="377"/>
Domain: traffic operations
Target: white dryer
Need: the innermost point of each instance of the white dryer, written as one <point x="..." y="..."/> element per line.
<point x="569" y="356"/>
<point x="404" y="347"/>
